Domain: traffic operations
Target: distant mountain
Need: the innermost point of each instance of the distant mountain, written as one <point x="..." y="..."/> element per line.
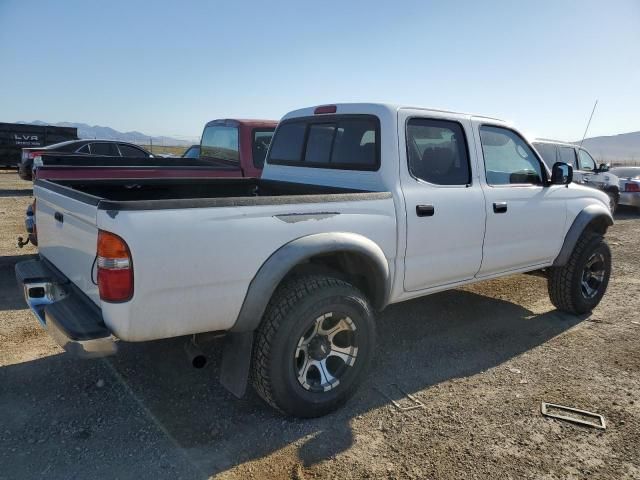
<point x="108" y="133"/>
<point x="623" y="148"/>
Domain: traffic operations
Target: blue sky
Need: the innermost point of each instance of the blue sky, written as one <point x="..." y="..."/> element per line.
<point x="168" y="67"/>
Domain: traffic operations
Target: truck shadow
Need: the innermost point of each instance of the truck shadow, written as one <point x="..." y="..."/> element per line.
<point x="10" y="294"/>
<point x="148" y="403"/>
<point x="626" y="213"/>
<point x="17" y="192"/>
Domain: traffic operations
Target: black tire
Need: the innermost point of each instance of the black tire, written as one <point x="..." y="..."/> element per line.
<point x="294" y="309"/>
<point x="565" y="283"/>
<point x="613" y="202"/>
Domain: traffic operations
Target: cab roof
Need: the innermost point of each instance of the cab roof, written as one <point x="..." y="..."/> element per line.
<point x="373" y="107"/>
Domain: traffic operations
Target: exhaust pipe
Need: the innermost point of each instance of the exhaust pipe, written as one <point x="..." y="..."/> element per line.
<point x="194" y="354"/>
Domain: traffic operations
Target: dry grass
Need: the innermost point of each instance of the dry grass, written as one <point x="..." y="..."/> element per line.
<point x="165" y="149"/>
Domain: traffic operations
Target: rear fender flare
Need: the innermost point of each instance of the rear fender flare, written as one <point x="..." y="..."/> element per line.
<point x="290" y="255"/>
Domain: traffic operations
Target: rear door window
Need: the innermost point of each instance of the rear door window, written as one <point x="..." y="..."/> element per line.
<point x="437" y="152"/>
<point x="104" y="148"/>
<point x="83" y="149"/>
<point x="345" y="142"/>
<point x="567" y="155"/>
<point x="129" y="151"/>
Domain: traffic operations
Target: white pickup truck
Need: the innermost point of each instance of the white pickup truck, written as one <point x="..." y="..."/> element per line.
<point x="359" y="206"/>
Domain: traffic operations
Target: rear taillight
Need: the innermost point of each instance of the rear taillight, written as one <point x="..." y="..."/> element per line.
<point x="632" y="187"/>
<point x="32" y="155"/>
<point x="115" y="269"/>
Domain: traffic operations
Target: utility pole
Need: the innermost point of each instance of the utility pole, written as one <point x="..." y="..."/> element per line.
<point x="589" y="122"/>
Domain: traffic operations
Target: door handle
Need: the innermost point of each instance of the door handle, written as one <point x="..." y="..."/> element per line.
<point x="425" y="210"/>
<point x="499" y="207"/>
<point x="59" y="217"/>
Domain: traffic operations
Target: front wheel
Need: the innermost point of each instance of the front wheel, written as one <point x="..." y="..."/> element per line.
<point x="313" y="347"/>
<point x="578" y="286"/>
<point x="613" y="203"/>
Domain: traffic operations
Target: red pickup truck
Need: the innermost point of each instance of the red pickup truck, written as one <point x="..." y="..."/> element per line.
<point x="228" y="148"/>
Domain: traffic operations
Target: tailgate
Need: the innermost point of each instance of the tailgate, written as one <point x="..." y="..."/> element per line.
<point x="67" y="237"/>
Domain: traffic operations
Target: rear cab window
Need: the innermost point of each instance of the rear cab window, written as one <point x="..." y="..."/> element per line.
<point x="349" y="142"/>
<point x="220" y="142"/>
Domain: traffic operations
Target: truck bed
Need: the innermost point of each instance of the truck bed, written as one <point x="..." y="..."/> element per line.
<point x="190" y="260"/>
<point x="160" y="193"/>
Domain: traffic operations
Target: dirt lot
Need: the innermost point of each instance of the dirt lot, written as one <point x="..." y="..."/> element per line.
<point x="481" y="359"/>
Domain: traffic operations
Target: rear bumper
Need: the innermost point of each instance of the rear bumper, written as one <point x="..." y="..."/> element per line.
<point x="631" y="199"/>
<point x="68" y="315"/>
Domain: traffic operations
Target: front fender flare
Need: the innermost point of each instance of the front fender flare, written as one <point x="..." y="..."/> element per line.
<point x="596" y="215"/>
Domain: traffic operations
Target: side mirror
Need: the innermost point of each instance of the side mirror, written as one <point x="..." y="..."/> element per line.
<point x="604" y="167"/>
<point x="561" y="174"/>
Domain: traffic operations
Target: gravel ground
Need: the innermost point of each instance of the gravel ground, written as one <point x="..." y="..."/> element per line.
<point x="480" y="359"/>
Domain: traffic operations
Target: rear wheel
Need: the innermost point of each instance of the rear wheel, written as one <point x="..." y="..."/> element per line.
<point x="578" y="286"/>
<point x="313" y="346"/>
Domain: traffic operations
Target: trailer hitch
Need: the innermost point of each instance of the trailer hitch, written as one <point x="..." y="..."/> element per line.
<point x="22" y="242"/>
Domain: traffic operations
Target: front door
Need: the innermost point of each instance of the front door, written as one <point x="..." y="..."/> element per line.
<point x="444" y="202"/>
<point x="525" y="216"/>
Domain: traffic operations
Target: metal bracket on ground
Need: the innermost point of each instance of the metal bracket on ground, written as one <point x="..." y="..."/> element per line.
<point x="414" y="402"/>
<point x="599" y="422"/>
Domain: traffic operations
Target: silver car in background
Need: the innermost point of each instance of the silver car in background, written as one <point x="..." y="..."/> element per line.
<point x="585" y="169"/>
<point x="629" y="178"/>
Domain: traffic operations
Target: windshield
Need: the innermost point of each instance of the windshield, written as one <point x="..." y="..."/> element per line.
<point x="220" y="142"/>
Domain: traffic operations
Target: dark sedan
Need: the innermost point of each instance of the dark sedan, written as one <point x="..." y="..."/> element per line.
<point x="103" y="148"/>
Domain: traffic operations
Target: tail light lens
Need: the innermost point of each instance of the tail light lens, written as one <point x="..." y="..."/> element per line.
<point x="115" y="269"/>
<point x="32" y="155"/>
<point x="632" y="187"/>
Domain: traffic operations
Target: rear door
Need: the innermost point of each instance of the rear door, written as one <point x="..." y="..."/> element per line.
<point x="525" y="216"/>
<point x="67" y="237"/>
<point x="443" y="197"/>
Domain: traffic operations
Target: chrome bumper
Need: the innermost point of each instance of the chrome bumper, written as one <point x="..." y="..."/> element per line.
<point x="70" y="318"/>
